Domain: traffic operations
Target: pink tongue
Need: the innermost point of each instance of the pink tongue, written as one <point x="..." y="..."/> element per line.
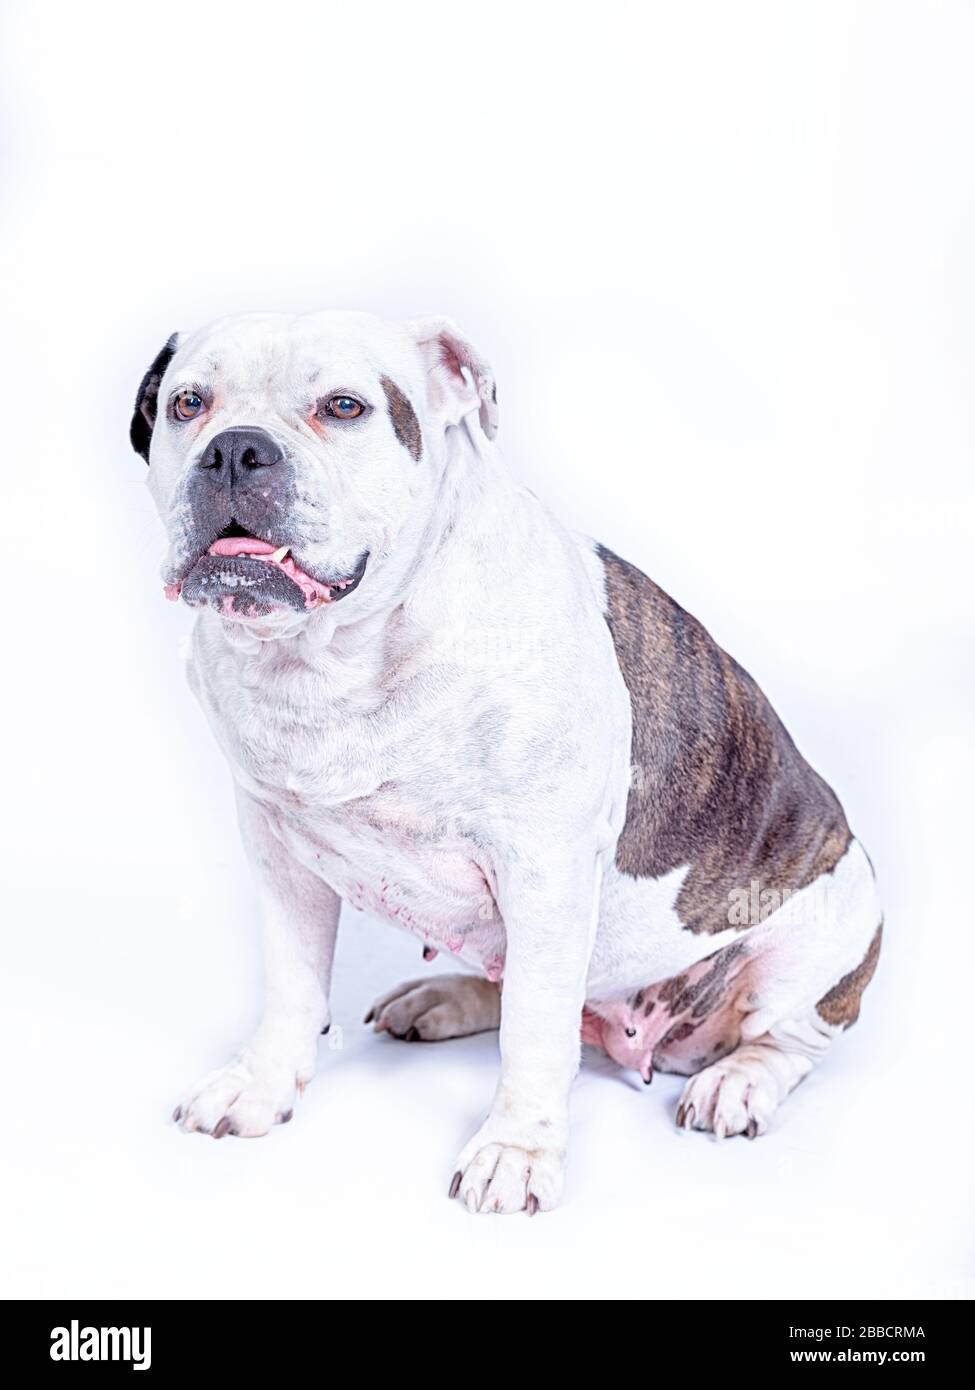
<point x="313" y="591"/>
<point x="241" y="545"/>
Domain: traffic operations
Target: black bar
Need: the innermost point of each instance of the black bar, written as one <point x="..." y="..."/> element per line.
<point x="189" y="1339"/>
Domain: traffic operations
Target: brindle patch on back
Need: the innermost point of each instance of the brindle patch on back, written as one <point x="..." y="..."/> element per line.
<point x="406" y="426"/>
<point x="717" y="782"/>
<point x="841" y="1006"/>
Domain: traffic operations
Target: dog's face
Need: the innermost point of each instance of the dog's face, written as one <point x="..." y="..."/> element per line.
<point x="292" y="459"/>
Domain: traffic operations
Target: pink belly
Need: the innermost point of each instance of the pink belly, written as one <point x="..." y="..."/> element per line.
<point x="479" y="942"/>
<point x="679" y="1024"/>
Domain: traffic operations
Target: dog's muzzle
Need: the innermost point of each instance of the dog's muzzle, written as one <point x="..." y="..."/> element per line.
<point x="239" y="497"/>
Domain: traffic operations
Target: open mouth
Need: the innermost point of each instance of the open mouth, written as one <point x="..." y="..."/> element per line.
<point x="244" y="577"/>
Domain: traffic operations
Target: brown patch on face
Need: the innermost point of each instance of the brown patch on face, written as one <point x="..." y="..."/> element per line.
<point x="841" y="1006"/>
<point x="718" y="783"/>
<point x="406" y="426"/>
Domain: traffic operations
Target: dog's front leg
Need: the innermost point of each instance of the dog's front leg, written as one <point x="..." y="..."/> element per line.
<point x="517" y="1158"/>
<point x="300" y="921"/>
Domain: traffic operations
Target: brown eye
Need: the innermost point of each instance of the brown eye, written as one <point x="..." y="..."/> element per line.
<point x="187" y="405"/>
<point x="343" y="407"/>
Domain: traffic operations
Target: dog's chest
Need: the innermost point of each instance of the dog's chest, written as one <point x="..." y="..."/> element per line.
<point x="373" y="805"/>
<point x="392" y="856"/>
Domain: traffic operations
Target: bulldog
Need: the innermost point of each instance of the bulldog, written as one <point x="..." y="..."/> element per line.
<point x="441" y="706"/>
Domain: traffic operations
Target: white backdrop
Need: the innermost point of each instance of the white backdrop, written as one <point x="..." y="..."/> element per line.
<point x="721" y="259"/>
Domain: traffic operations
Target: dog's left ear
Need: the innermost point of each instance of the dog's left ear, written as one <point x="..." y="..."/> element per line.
<point x="448" y="356"/>
<point x="144" y="418"/>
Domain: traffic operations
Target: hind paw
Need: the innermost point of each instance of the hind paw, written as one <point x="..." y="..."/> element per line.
<point x="728" y="1098"/>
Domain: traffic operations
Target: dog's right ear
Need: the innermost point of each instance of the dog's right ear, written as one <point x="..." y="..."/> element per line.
<point x="140" y="430"/>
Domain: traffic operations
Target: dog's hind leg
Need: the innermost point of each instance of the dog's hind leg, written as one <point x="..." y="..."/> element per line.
<point x="740" y="1093"/>
<point x="444" y="1006"/>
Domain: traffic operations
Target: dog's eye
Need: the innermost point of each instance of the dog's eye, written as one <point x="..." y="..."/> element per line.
<point x="187" y="405"/>
<point x="343" y="407"/>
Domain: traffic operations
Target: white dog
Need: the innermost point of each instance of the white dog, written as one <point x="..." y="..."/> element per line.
<point x="441" y="706"/>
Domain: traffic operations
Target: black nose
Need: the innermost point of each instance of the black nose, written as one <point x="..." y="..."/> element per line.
<point x="241" y="449"/>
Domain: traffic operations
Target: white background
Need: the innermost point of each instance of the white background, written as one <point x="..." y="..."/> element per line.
<point x="721" y="258"/>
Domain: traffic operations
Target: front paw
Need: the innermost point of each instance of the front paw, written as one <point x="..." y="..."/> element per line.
<point x="503" y="1171"/>
<point x="245" y="1098"/>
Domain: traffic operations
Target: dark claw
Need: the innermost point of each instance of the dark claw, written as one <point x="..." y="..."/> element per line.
<point x="369" y="1016"/>
<point x="751" y="1131"/>
<point x="286" y="1116"/>
<point x="679" y="1118"/>
<point x="328" y="1026"/>
<point x="531" y="1206"/>
<point x="177" y="1114"/>
<point x="428" y="953"/>
<point x="454" y="1185"/>
<point x="412" y="1035"/>
<point x="222" y="1127"/>
<point x="649" y="1076"/>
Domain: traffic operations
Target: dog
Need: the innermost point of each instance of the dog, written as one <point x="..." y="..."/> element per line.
<point x="441" y="706"/>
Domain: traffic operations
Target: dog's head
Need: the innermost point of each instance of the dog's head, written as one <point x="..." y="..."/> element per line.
<point x="294" y="459"/>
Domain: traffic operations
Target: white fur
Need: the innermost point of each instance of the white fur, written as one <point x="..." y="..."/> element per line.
<point x="449" y="745"/>
<point x="740" y="1094"/>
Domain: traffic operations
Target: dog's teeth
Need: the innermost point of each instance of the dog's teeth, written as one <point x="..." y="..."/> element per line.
<point x="279" y="555"/>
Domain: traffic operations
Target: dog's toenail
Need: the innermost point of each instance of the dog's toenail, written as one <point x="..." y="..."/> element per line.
<point x="222" y="1128"/>
<point x="454" y="1185"/>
